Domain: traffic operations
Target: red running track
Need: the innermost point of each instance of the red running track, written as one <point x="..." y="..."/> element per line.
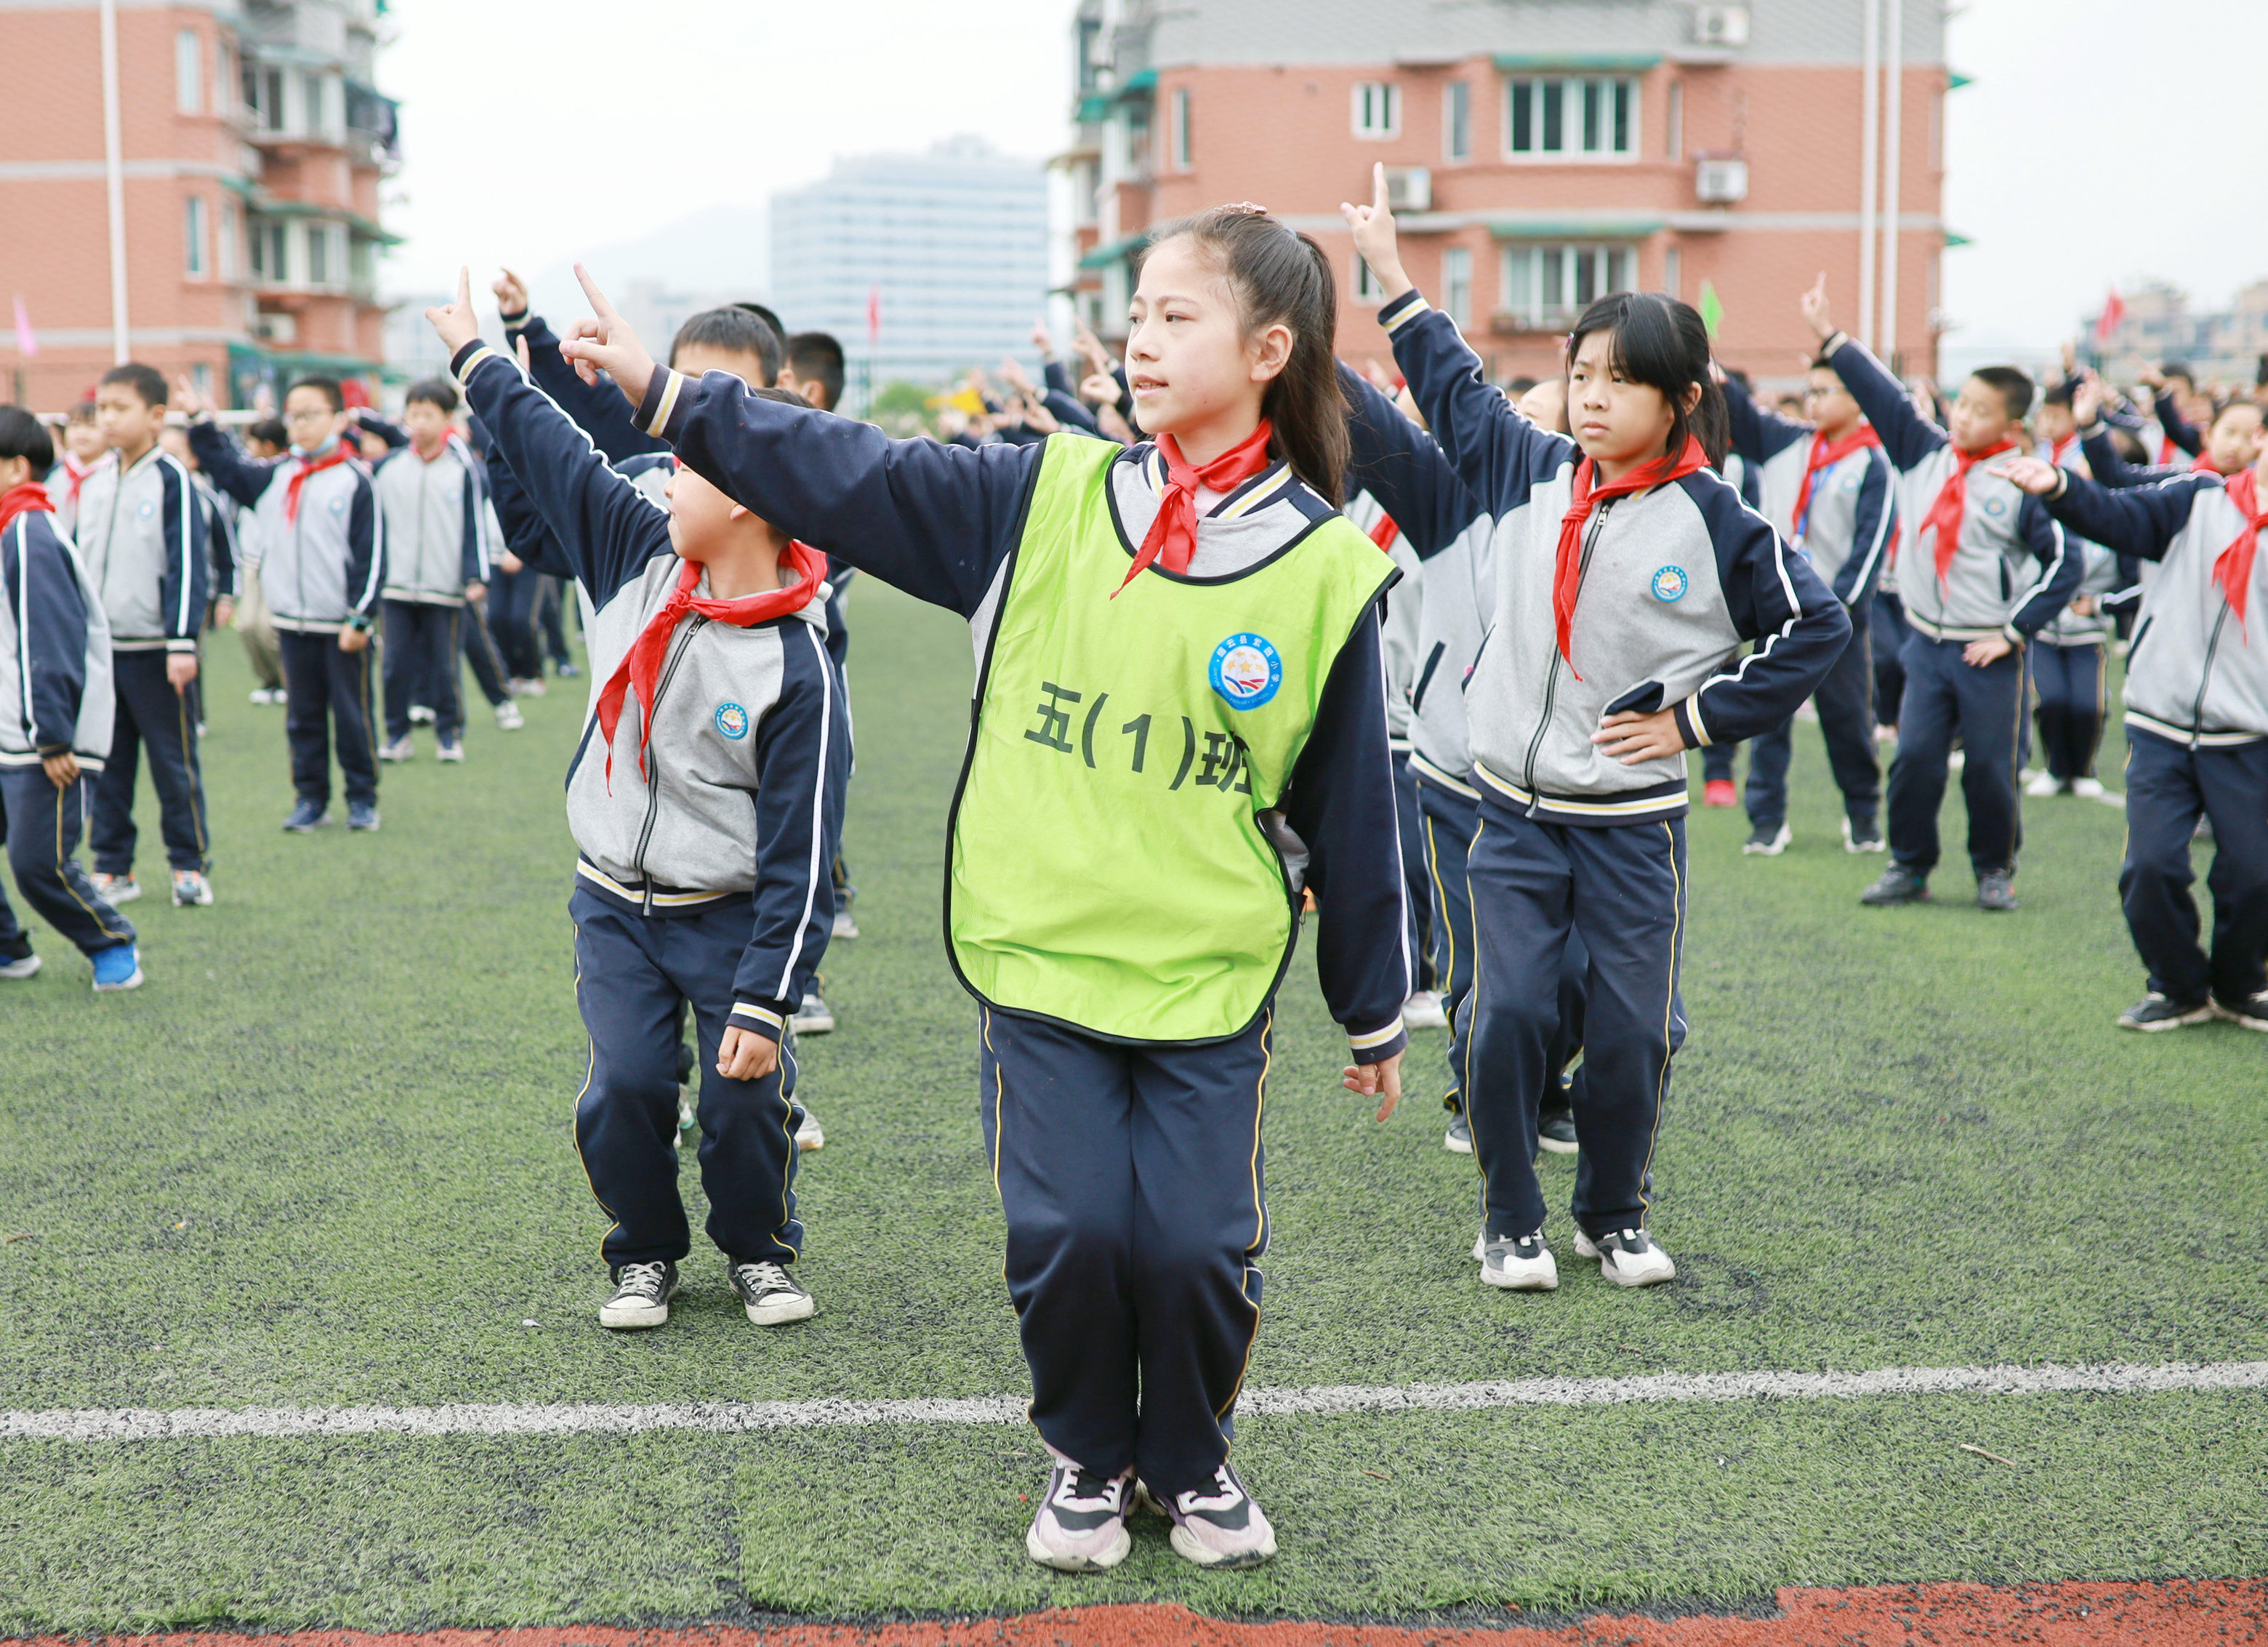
<point x="2206" y="1612"/>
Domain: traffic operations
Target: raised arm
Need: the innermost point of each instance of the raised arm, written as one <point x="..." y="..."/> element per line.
<point x="600" y="412"/>
<point x="1758" y="434"/>
<point x="2178" y="429"/>
<point x="224" y="462"/>
<point x="1399" y="464"/>
<point x="2140" y="521"/>
<point x="1907" y="435"/>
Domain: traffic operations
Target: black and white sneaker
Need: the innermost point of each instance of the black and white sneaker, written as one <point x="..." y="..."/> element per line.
<point x="1459" y="1138"/>
<point x="1080" y="1525"/>
<point x="641" y="1297"/>
<point x="769" y="1293"/>
<point x="1555" y="1130"/>
<point x="1218" y="1526"/>
<point x="1898" y="885"/>
<point x="1867" y="837"/>
<point x="1763" y="843"/>
<point x="1629" y="1258"/>
<point x="2251" y="1014"/>
<point x="2154" y="1013"/>
<point x="814" y="1017"/>
<point x="1517" y="1263"/>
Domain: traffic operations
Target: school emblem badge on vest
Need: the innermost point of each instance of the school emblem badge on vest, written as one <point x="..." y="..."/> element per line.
<point x="732" y="721"/>
<point x="1245" y="671"/>
<point x="1670" y="584"/>
<point x="148" y="509"/>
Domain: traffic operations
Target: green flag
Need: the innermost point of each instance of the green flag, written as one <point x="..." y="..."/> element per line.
<point x="1712" y="312"/>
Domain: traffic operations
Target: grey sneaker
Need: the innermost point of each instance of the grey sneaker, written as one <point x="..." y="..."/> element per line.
<point x="814" y="1017"/>
<point x="809" y="1134"/>
<point x="1629" y="1258"/>
<point x="1459" y="1138"/>
<point x="361" y="815"/>
<point x="1517" y="1263"/>
<point x="1080" y="1525"/>
<point x="641" y="1297"/>
<point x="398" y="751"/>
<point x="1555" y="1130"/>
<point x="1996" y="889"/>
<point x="116" y="889"/>
<point x="769" y="1294"/>
<point x="190" y="887"/>
<point x="2250" y="1013"/>
<point x="2153" y="1013"/>
<point x="1218" y="1526"/>
<point x="1898" y="885"/>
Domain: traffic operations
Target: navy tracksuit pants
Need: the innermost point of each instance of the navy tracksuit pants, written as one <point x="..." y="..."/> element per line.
<point x="422" y="642"/>
<point x="326" y="692"/>
<point x="1536" y="887"/>
<point x="1417" y="901"/>
<point x="2068" y="681"/>
<point x="1986" y="708"/>
<point x="2167" y="786"/>
<point x="480" y="650"/>
<point x="1134" y="1185"/>
<point x="1888" y="628"/>
<point x="1846" y="701"/>
<point x="43" y="825"/>
<point x="511" y="618"/>
<point x="551" y="621"/>
<point x="1716" y="763"/>
<point x="633" y="973"/>
<point x="152" y="717"/>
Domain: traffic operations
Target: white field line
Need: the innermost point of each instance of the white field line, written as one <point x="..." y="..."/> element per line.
<point x="132" y="1424"/>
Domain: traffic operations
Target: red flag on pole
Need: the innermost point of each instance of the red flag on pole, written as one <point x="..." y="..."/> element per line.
<point x="2114" y="310"/>
<point x="874" y="314"/>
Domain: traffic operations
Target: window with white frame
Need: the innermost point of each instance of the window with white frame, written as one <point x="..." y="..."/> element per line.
<point x="223" y="75"/>
<point x="1457" y="121"/>
<point x="315" y="89"/>
<point x="188" y="72"/>
<point x="1673" y="272"/>
<point x="271" y="259"/>
<point x="1674" y="138"/>
<point x="323" y="268"/>
<point x="1457" y="284"/>
<point x="1565" y="117"/>
<point x="1549" y="285"/>
<point x="1377" y="109"/>
<point x="192" y="236"/>
<point x="229" y="231"/>
<point x="1180" y="130"/>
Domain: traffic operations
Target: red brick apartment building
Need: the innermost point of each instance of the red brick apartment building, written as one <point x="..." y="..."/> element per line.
<point x="245" y="144"/>
<point x="1542" y="152"/>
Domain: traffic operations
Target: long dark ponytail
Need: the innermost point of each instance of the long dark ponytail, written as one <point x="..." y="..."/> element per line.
<point x="1663" y="344"/>
<point x="1278" y="276"/>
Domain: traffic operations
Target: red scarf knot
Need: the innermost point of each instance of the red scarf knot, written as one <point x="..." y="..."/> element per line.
<point x="76" y="473"/>
<point x="30" y="498"/>
<point x="2232" y="568"/>
<point x="307" y="466"/>
<point x="1951" y="506"/>
<point x="1172" y="536"/>
<point x="1825" y="454"/>
<point x="641" y="666"/>
<point x="1567" y="569"/>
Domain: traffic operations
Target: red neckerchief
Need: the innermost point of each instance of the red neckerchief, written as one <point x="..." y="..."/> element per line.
<point x="1383" y="531"/>
<point x="439" y="451"/>
<point x="2057" y="448"/>
<point x="76" y="473"/>
<point x="307" y="466"/>
<point x="1567" y="572"/>
<point x="1952" y="504"/>
<point x="643" y="662"/>
<point x="2168" y="453"/>
<point x="2232" y="570"/>
<point x="1173" y="535"/>
<point x="1826" y="454"/>
<point x="29" y="498"/>
<point x="2203" y="465"/>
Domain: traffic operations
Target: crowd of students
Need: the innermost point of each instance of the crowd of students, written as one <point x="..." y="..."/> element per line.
<point x="1254" y="633"/>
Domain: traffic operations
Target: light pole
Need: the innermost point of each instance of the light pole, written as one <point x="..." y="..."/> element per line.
<point x="115" y="177"/>
<point x="1870" y="163"/>
<point x="1892" y="197"/>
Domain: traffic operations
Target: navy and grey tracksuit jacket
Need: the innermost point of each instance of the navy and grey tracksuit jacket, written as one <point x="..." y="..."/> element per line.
<point x="440" y="529"/>
<point x="143" y="537"/>
<point x="1850" y="521"/>
<point x="941" y="522"/>
<point x="322" y="570"/>
<point x="749" y="751"/>
<point x="1988" y="589"/>
<point x="1673" y="580"/>
<point x="55" y="690"/>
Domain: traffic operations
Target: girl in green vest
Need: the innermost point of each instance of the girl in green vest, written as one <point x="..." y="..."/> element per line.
<point x="1179" y="723"/>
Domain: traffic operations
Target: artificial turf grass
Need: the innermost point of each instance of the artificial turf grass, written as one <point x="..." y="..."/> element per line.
<point x="1896" y="1136"/>
<point x="1548" y="1510"/>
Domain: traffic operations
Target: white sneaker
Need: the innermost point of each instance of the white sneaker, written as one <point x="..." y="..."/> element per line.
<point x="769" y="1295"/>
<point x="22" y="967"/>
<point x="1218" y="1526"/>
<point x="846" y="925"/>
<point x="810" y="1136"/>
<point x="2040" y="785"/>
<point x="508" y="719"/>
<point x="398" y="751"/>
<point x="420" y="716"/>
<point x="2088" y="789"/>
<point x="1855" y="842"/>
<point x="1957" y="760"/>
<point x="533" y="687"/>
<point x="813" y="1017"/>
<point x="1629" y="1258"/>
<point x="1424" y="1010"/>
<point x="1518" y="1265"/>
<point x="450" y="752"/>
<point x="1762" y="845"/>
<point x="116" y="889"/>
<point x="641" y="1297"/>
<point x="1080" y="1525"/>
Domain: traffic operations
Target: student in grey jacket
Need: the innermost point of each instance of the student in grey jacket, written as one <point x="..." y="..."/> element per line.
<point x="1626" y="570"/>
<point x="143" y="536"/>
<point x="2197" y="729"/>
<point x="440" y="537"/>
<point x="322" y="540"/>
<point x="56" y="717"/>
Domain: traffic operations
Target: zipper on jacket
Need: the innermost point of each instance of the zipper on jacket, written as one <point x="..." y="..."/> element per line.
<point x="653" y="779"/>
<point x="1551" y="679"/>
<point x="2204" y="676"/>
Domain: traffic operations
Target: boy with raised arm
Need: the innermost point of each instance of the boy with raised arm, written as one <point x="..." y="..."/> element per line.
<point x="1972" y="604"/>
<point x="2197" y="730"/>
<point x="1827" y="487"/>
<point x="719" y="710"/>
<point x="442" y="535"/>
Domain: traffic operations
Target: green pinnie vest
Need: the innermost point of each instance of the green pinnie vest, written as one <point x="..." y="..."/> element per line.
<point x="1107" y="867"/>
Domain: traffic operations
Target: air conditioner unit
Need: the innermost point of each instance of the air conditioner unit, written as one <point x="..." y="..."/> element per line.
<point x="276" y="328"/>
<point x="1409" y="187"/>
<point x="1721" y="26"/>
<point x="1720" y="179"/>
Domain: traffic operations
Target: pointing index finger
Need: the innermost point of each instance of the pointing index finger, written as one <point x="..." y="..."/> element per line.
<point x="1378" y="185"/>
<point x="464" y="286"/>
<point x="599" y="307"/>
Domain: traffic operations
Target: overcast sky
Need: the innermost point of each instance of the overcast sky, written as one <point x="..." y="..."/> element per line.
<point x="535" y="133"/>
